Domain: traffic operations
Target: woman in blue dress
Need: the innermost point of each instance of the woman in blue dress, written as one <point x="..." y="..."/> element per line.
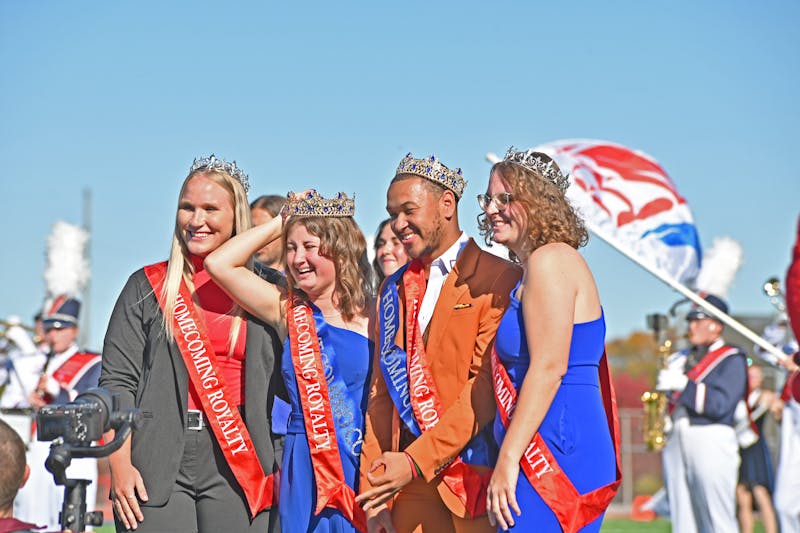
<point x="549" y="345"/>
<point x="327" y="354"/>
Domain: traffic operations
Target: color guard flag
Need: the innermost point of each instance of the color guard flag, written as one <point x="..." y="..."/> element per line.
<point x="626" y="194"/>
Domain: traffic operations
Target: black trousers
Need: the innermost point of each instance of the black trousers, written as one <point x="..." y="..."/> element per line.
<point x="205" y="498"/>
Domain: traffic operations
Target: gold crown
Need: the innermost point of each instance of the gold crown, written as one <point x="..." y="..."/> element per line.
<point x="432" y="169"/>
<point x="312" y="204"/>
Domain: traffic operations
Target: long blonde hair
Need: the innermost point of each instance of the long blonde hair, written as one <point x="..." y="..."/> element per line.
<point x="179" y="266"/>
<point x="342" y="242"/>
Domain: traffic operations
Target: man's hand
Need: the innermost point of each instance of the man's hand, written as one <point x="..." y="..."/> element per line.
<point x="388" y="474"/>
<point x="379" y="520"/>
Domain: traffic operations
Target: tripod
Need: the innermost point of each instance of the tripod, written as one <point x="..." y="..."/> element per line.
<point x="73" y="512"/>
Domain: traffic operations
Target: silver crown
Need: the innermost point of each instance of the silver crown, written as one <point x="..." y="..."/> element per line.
<point x="213" y="163"/>
<point x="312" y="204"/>
<point x="540" y="164"/>
<point x="433" y="169"/>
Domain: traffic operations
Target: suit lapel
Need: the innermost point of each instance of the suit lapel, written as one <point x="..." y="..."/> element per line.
<point x="453" y="289"/>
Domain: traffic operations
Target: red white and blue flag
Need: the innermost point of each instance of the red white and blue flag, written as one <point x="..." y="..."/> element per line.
<point x="626" y="194"/>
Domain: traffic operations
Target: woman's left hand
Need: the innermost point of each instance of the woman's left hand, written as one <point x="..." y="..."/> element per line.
<point x="501" y="495"/>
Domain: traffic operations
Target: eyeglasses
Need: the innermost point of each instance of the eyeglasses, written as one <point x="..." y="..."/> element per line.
<point x="501" y="200"/>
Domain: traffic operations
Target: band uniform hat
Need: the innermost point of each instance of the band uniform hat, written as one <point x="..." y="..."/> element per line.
<point x="62" y="313"/>
<point x="697" y="312"/>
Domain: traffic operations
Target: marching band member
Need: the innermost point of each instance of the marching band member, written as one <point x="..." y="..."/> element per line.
<point x="708" y="389"/>
<point x="66" y="372"/>
<point x="558" y="466"/>
<point x="202" y="372"/>
<point x="756" y="478"/>
<point x="326" y="366"/>
<point x="427" y="448"/>
<point x="679" y="499"/>
<point x="23" y="366"/>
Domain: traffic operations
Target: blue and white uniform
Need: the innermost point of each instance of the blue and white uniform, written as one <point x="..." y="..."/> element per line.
<point x="705" y="439"/>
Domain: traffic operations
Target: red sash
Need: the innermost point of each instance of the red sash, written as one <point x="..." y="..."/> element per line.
<point x="74" y="368"/>
<point x="709" y="362"/>
<point x="332" y="489"/>
<point x="467" y="484"/>
<point x="791" y="389"/>
<point x="219" y="408"/>
<point x="572" y="509"/>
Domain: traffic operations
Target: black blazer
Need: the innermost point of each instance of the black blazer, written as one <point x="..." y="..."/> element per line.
<point x="149" y="373"/>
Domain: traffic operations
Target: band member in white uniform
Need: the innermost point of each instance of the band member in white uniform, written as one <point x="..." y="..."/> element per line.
<point x="678" y="497"/>
<point x="713" y="382"/>
<point x="67" y="371"/>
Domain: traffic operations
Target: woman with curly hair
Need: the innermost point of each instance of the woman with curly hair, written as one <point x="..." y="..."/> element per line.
<point x="548" y="359"/>
<point x="326" y="365"/>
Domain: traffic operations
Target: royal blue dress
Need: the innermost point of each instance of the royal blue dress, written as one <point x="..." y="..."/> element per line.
<point x="346" y="358"/>
<point x="575" y="427"/>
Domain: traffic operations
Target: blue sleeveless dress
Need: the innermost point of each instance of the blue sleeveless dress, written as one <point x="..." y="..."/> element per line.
<point x="575" y="427"/>
<point x="347" y="356"/>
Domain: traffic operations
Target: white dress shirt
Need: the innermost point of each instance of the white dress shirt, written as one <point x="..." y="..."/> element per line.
<point x="440" y="268"/>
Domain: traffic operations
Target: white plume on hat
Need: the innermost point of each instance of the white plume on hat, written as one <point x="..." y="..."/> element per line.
<point x="66" y="270"/>
<point x="719" y="267"/>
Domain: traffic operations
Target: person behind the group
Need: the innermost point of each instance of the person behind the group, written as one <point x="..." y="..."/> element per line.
<point x="329" y="299"/>
<point x="270" y="266"/>
<point x="389" y="251"/>
<point x="549" y="355"/>
<point x="756" y="478"/>
<point x="263" y="209"/>
<point x="708" y="381"/>
<point x="427" y="445"/>
<point x="202" y="372"/>
<point x="14" y="473"/>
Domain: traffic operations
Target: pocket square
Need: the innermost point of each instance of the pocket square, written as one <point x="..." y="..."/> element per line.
<point x="461" y="306"/>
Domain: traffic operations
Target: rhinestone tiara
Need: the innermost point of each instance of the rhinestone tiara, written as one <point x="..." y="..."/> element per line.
<point x="314" y="205"/>
<point x="540" y="164"/>
<point x="213" y="163"/>
<point x="433" y="169"/>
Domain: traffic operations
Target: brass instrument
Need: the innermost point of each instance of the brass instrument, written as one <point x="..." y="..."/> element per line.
<point x="654" y="403"/>
<point x="772" y="288"/>
<point x="8" y="324"/>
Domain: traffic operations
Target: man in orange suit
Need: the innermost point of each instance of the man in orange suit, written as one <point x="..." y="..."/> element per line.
<point x="428" y="444"/>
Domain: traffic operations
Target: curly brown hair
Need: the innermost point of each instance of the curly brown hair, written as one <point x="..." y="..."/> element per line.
<point x="548" y="215"/>
<point x="342" y="242"/>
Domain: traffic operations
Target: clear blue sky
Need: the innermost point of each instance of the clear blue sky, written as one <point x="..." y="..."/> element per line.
<point x="119" y="97"/>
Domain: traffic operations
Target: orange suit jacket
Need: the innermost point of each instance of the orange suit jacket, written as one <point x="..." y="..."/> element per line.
<point x="474" y="296"/>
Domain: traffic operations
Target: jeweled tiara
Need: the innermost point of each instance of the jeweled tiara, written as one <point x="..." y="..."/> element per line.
<point x="312" y="204"/>
<point x="540" y="164"/>
<point x="433" y="169"/>
<point x="213" y="163"/>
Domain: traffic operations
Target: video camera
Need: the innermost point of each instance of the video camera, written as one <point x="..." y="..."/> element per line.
<point x="73" y="427"/>
<point x="78" y="423"/>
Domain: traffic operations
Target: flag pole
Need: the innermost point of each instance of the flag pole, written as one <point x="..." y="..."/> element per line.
<point x="677" y="286"/>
